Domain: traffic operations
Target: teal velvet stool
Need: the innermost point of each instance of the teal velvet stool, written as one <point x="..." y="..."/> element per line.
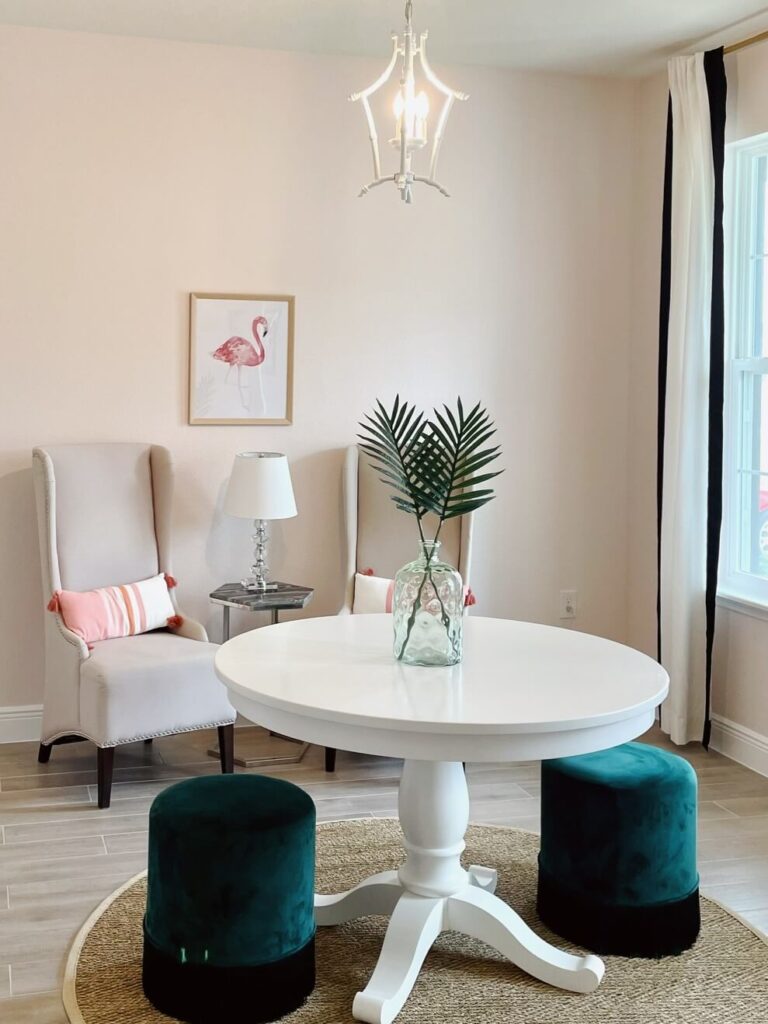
<point x="617" y="868"/>
<point x="229" y="930"/>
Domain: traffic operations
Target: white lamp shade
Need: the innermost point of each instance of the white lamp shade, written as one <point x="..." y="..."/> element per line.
<point x="260" y="487"/>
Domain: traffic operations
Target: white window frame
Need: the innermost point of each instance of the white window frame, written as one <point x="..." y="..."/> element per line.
<point x="743" y="590"/>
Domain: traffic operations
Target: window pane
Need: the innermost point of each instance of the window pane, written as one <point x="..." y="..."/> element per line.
<point x="754" y="553"/>
<point x="753" y="476"/>
<point x="744" y="567"/>
<point x="754" y="535"/>
<point x="758" y="329"/>
<point x="759" y="416"/>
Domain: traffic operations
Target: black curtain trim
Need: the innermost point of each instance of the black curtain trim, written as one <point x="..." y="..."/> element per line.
<point x="666" y="276"/>
<point x="717" y="89"/>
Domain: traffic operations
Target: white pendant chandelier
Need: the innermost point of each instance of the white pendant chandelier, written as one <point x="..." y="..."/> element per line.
<point x="411" y="111"/>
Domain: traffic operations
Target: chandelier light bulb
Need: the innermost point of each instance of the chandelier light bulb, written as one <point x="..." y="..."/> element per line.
<point x="411" y="113"/>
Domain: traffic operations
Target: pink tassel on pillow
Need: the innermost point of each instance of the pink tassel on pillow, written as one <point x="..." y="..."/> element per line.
<point x="53" y="605"/>
<point x="170" y="582"/>
<point x="175" y="621"/>
<point x="368" y="572"/>
<point x="469" y="598"/>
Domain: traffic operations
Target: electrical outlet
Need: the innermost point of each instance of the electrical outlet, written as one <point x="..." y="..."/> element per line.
<point x="568" y="604"/>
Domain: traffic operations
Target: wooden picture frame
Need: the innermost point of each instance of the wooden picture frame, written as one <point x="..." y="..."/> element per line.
<point x="240" y="359"/>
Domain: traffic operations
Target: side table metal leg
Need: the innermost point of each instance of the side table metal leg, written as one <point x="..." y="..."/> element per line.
<point x="225" y="623"/>
<point x="273" y="617"/>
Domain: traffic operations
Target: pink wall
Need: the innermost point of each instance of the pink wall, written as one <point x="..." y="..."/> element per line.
<point x="135" y="171"/>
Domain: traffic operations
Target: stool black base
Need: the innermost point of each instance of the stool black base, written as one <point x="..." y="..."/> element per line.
<point x="202" y="994"/>
<point x="661" y="929"/>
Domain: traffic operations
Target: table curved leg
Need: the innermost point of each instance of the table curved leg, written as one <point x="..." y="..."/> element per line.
<point x="483" y="878"/>
<point x="484" y="916"/>
<point x="432" y="892"/>
<point x="376" y="895"/>
<point x="415" y="924"/>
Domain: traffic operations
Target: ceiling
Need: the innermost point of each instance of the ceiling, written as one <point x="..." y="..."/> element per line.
<point x="595" y="36"/>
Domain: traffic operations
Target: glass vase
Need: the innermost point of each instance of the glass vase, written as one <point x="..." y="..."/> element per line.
<point x="427" y="609"/>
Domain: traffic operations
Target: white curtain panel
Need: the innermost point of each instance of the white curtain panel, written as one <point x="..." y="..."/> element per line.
<point x="683" y="569"/>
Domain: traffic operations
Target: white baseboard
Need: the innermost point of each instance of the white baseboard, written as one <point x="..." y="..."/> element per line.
<point x="740" y="743"/>
<point x="20" y="723"/>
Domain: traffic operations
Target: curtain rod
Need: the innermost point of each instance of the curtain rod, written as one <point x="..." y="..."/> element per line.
<point x="746" y="42"/>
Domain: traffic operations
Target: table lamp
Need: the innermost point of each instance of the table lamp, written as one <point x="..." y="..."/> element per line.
<point x="260" y="489"/>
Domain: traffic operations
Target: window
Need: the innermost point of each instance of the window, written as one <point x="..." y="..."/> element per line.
<point x="744" y="558"/>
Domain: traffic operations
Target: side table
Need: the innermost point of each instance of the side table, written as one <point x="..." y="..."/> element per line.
<point x="279" y="597"/>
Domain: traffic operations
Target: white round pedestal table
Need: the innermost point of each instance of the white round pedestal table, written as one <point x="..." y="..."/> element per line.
<point x="522" y="692"/>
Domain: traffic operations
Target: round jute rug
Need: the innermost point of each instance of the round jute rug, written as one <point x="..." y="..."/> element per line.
<point x="722" y="980"/>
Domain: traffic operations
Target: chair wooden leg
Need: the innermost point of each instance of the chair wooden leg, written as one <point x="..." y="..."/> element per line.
<point x="227" y="748"/>
<point x="105" y="764"/>
<point x="330" y="759"/>
<point x="44" y="753"/>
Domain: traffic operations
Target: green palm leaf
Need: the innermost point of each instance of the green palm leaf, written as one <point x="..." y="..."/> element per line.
<point x="391" y="439"/>
<point x="461" y="439"/>
<point x="436" y="465"/>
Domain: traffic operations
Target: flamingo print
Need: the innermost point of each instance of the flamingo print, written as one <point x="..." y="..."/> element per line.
<point x="239" y="352"/>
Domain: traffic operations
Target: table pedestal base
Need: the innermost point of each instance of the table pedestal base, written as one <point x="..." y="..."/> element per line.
<point x="432" y="893"/>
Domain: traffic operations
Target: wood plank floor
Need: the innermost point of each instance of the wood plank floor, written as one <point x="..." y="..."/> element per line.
<point x="60" y="855"/>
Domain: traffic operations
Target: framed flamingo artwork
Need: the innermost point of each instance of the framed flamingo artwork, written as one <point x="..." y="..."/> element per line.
<point x="241" y="359"/>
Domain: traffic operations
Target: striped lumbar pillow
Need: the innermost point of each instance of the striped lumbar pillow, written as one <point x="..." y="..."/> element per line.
<point x="124" y="610"/>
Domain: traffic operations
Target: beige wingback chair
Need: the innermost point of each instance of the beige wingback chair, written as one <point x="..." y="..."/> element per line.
<point x="380" y="537"/>
<point x="104" y="513"/>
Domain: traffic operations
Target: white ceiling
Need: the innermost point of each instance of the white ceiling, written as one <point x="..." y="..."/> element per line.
<point x="597" y="36"/>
